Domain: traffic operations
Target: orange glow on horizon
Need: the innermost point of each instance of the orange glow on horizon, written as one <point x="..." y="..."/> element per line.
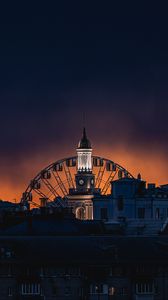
<point x="151" y="166"/>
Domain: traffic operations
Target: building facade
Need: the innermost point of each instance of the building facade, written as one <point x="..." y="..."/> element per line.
<point x="91" y="267"/>
<point x="141" y="208"/>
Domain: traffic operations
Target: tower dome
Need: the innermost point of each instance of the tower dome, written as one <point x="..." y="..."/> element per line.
<point x="84" y="143"/>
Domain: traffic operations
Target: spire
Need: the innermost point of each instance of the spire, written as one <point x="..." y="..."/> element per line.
<point x="84" y="143"/>
<point x="84" y="133"/>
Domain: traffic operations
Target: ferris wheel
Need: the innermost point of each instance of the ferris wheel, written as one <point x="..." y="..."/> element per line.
<point x="58" y="178"/>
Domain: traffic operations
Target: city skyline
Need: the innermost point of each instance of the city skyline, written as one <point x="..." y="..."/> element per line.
<point x="134" y="162"/>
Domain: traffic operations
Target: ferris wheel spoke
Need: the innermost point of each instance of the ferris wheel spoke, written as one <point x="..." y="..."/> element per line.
<point x="51" y="195"/>
<point x="100" y="176"/>
<point x="107" y="184"/>
<point x="68" y="176"/>
<point x="50" y="187"/>
<point x="40" y="193"/>
<point x="35" y="204"/>
<point x="60" y="183"/>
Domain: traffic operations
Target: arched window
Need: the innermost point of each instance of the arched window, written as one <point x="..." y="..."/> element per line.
<point x="80" y="213"/>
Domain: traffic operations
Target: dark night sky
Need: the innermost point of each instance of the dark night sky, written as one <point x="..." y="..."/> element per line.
<point x="58" y="61"/>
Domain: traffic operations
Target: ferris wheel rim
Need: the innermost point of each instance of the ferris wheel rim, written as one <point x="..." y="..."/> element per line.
<point x="38" y="176"/>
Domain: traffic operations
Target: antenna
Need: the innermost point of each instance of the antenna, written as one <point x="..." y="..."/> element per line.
<point x="84" y="119"/>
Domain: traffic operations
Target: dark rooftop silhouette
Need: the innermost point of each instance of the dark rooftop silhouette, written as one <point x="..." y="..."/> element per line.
<point x="84" y="143"/>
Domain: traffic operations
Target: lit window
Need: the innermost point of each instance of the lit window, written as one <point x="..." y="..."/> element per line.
<point x="30" y="289"/>
<point x="99" y="289"/>
<point x="112" y="291"/>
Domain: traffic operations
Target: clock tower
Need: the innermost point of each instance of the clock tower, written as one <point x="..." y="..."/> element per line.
<point x="80" y="197"/>
<point x="84" y="178"/>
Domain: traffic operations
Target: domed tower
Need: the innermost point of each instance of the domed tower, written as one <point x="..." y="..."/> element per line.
<point x="80" y="197"/>
<point x="84" y="177"/>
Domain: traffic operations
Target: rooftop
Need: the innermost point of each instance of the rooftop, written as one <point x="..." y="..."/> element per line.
<point x="84" y="143"/>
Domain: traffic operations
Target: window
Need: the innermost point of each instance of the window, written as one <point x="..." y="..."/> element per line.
<point x="141" y="212"/>
<point x="118" y="271"/>
<point x="67" y="290"/>
<point x="157" y="213"/>
<point x="156" y="290"/>
<point x="9" y="270"/>
<point x="120" y="203"/>
<point x="112" y="291"/>
<point x="41" y="271"/>
<point x="80" y="291"/>
<point x="72" y="271"/>
<point x="54" y="290"/>
<point x="9" y="291"/>
<point x="98" y="289"/>
<point x="103" y="212"/>
<point x="124" y="291"/>
<point x="80" y="213"/>
<point x="141" y="269"/>
<point x="144" y="288"/>
<point x="30" y="289"/>
<point x="111" y="273"/>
